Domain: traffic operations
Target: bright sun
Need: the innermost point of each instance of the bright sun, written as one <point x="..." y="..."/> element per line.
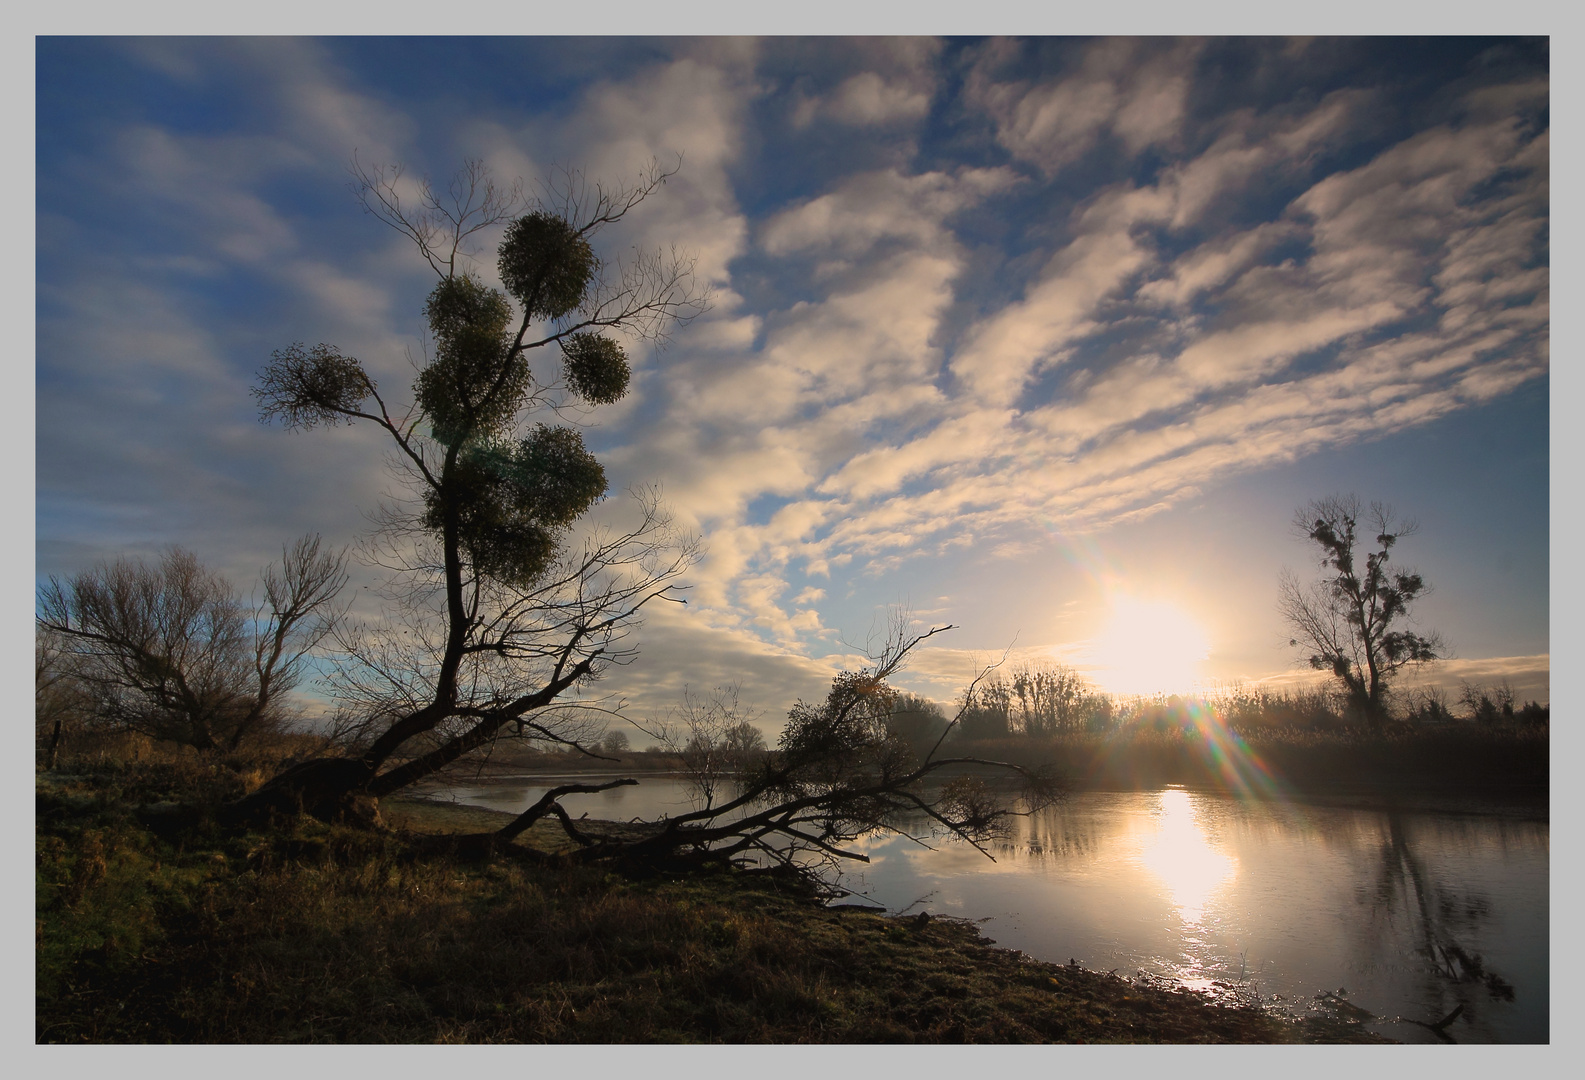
<point x="1148" y="647"/>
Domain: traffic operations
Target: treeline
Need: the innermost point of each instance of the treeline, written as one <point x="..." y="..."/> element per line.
<point x="1243" y="739"/>
<point x="1034" y="702"/>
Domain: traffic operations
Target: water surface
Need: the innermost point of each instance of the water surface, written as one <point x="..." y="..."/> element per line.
<point x="1405" y="915"/>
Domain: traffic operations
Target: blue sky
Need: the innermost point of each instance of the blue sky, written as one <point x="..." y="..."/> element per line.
<point x="1010" y="332"/>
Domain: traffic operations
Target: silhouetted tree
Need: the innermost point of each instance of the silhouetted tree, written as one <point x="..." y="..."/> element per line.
<point x="494" y="617"/>
<point x="744" y="740"/>
<point x="917" y="721"/>
<point x="61" y="700"/>
<point x="614" y="743"/>
<point x="714" y="738"/>
<point x="172" y="652"/>
<point x="1488" y="705"/>
<point x="1052" y="700"/>
<point x="1351" y="621"/>
<point x="838" y="773"/>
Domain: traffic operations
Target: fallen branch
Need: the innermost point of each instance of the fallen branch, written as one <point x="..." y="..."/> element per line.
<point x="1440" y="1027"/>
<point x="548" y="805"/>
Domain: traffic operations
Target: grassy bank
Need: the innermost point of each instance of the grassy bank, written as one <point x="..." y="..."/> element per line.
<point x="150" y="933"/>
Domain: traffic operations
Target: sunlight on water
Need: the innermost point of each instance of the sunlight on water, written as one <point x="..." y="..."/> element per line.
<point x="1246" y="899"/>
<point x="1181" y="854"/>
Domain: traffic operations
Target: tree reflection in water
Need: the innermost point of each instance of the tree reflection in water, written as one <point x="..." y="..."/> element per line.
<point x="1438" y="916"/>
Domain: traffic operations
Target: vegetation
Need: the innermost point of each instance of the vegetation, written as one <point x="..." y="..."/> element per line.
<point x="838" y="773"/>
<point x="206" y="874"/>
<point x="171" y="650"/>
<point x="492" y="625"/>
<point x="150" y="931"/>
<point x="1351" y="622"/>
<point x="1259" y="741"/>
<point x="494" y="615"/>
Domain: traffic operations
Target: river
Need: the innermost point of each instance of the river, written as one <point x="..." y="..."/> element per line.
<point x="1406" y="915"/>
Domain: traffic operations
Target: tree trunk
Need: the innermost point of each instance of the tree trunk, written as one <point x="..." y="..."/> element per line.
<point x="55" y="745"/>
<point x="330" y="789"/>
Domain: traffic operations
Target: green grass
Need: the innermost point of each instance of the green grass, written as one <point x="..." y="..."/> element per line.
<point x="319" y="933"/>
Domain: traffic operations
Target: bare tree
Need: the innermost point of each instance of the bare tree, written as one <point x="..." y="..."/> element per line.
<point x="714" y="737"/>
<point x="1350" y="622"/>
<point x="171" y="651"/>
<point x="61" y="701"/>
<point x="497" y="624"/>
<point x="1487" y="705"/>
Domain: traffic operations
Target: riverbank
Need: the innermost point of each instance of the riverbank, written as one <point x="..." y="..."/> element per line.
<point x="1427" y="763"/>
<point x="1432" y="765"/>
<point x="328" y="934"/>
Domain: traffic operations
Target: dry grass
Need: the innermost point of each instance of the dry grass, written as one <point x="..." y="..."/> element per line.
<point x="329" y="934"/>
<point x="1458" y="758"/>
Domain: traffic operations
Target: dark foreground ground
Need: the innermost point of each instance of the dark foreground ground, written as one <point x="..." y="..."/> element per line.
<point x="331" y="934"/>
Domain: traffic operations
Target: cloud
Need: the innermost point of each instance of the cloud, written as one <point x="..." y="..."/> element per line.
<point x="677" y="650"/>
<point x="1079" y="295"/>
<point x="1138" y="446"/>
<point x="882" y="205"/>
<point x="1124" y="88"/>
<point x="1529" y="677"/>
<point x="894" y="89"/>
<point x="866" y="100"/>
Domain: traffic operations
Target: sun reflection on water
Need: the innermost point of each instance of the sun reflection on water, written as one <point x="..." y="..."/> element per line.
<point x="1181" y="854"/>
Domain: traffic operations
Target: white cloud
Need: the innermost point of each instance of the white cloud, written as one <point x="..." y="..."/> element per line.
<point x="894" y="88"/>
<point x="1099" y="367"/>
<point x="1120" y="89"/>
<point x="866" y="99"/>
<point x="876" y="206"/>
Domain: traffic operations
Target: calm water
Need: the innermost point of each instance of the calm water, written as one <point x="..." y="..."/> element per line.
<point x="1280" y="901"/>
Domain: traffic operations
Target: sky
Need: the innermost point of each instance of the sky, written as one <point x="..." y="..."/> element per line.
<point x="1046" y="339"/>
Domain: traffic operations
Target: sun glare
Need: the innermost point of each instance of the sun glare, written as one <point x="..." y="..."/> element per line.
<point x="1190" y="866"/>
<point x="1148" y="647"/>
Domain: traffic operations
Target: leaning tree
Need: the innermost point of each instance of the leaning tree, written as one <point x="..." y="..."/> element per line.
<point x="839" y="773"/>
<point x="1351" y="622"/>
<point x="496" y="617"/>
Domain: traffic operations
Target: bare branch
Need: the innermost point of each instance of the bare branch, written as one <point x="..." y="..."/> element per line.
<point x="440" y="225"/>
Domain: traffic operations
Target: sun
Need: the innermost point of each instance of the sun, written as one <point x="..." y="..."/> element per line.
<point x="1148" y="647"/>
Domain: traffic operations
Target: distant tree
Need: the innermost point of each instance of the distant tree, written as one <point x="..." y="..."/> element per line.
<point x="1488" y="705"/>
<point x="614" y="743"/>
<point x="1429" y="704"/>
<point x="1350" y="623"/>
<point x="171" y="651"/>
<point x="917" y="721"/>
<point x="495" y="618"/>
<point x="61" y="700"/>
<point x="986" y="710"/>
<point x="838" y="773"/>
<point x="1052" y="700"/>
<point x="743" y="741"/>
<point x="713" y="736"/>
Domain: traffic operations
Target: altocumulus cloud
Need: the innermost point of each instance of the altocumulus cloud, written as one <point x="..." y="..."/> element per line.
<point x="961" y="288"/>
